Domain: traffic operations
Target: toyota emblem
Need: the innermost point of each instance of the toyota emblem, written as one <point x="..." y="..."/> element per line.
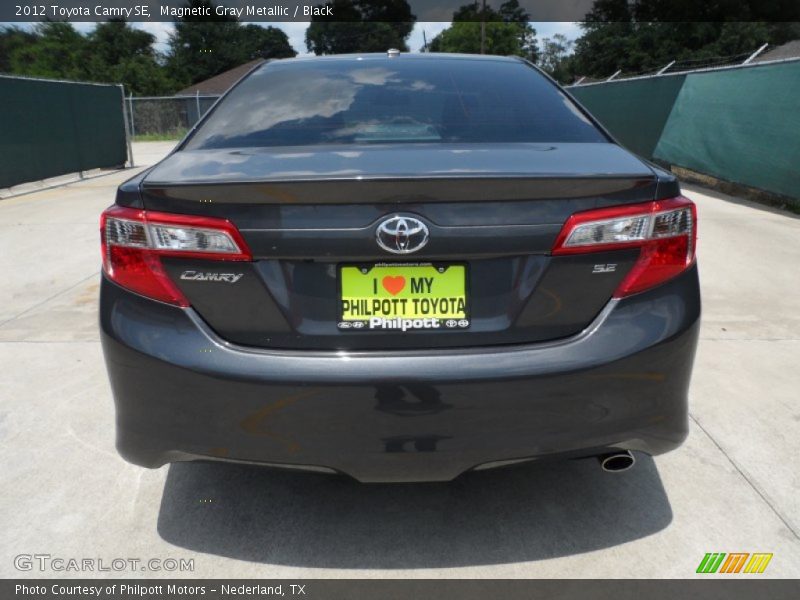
<point x="402" y="235"/>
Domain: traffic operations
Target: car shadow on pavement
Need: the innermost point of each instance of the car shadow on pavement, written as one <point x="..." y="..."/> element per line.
<point x="527" y="512"/>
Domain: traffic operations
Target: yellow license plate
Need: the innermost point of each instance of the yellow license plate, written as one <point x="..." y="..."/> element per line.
<point x="403" y="297"/>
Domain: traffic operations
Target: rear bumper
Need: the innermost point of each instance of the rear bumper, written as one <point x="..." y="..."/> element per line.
<point x="181" y="393"/>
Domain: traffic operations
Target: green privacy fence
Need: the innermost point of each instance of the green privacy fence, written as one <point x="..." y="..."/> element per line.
<point x="636" y="111"/>
<point x="741" y="125"/>
<point x="50" y="128"/>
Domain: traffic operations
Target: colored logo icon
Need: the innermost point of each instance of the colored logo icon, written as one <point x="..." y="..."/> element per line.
<point x="734" y="562"/>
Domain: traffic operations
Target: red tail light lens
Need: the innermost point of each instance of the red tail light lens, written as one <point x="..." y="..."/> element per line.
<point x="664" y="230"/>
<point x="134" y="240"/>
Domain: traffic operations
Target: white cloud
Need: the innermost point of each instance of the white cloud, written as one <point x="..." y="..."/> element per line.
<point x="160" y="30"/>
<point x="431" y="28"/>
<point x="295" y="31"/>
<point x="84" y="28"/>
<point x="571" y="31"/>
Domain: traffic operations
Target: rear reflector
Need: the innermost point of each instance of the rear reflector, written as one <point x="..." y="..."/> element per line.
<point x="665" y="230"/>
<point x="134" y="240"/>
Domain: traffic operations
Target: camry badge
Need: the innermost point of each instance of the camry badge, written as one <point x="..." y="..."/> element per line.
<point x="402" y="235"/>
<point x="200" y="276"/>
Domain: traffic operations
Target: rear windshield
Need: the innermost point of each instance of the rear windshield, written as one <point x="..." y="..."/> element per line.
<point x="350" y="101"/>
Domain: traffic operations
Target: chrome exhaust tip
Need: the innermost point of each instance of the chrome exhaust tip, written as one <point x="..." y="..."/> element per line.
<point x="616" y="462"/>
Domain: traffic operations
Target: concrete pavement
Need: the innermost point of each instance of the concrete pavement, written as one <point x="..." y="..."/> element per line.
<point x="731" y="488"/>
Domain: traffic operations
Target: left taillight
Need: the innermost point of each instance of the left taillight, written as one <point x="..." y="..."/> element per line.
<point x="133" y="242"/>
<point x="664" y="230"/>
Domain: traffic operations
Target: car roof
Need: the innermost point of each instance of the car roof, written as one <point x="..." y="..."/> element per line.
<point x="384" y="56"/>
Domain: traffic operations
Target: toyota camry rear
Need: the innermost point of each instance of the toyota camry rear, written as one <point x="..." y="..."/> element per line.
<point x="399" y="268"/>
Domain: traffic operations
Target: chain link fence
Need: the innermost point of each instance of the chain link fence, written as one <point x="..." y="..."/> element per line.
<point x="167" y="116"/>
<point x="686" y="65"/>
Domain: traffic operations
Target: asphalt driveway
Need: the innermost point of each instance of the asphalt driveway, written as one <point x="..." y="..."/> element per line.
<point x="733" y="487"/>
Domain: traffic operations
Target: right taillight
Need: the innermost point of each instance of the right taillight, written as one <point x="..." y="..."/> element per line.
<point x="664" y="230"/>
<point x="133" y="242"/>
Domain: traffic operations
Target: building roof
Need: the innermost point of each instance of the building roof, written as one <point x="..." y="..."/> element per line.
<point x="219" y="84"/>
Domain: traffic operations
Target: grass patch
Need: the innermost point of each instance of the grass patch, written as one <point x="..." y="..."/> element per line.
<point x="160" y="137"/>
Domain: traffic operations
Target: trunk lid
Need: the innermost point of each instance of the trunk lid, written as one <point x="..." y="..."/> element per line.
<point x="304" y="212"/>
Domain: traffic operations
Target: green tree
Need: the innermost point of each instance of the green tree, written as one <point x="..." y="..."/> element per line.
<point x="113" y="53"/>
<point x="361" y="26"/>
<point x="57" y="51"/>
<point x="120" y="54"/>
<point x="12" y="38"/>
<point x="644" y="35"/>
<point x="201" y="47"/>
<point x="255" y="41"/>
<point x="465" y="36"/>
<point x="554" y="56"/>
<point x="507" y="31"/>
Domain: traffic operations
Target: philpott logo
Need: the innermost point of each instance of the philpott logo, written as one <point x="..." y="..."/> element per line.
<point x="734" y="562"/>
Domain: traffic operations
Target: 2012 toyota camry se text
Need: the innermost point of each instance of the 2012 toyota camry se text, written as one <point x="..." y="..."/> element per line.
<point x="400" y="268"/>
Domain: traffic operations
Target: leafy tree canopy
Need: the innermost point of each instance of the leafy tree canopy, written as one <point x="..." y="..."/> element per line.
<point x="12" y="38"/>
<point x="118" y="53"/>
<point x="361" y="26"/>
<point x="113" y="53"/>
<point x="508" y="31"/>
<point x="201" y="47"/>
<point x="554" y="56"/>
<point x="644" y="35"/>
<point x="55" y="50"/>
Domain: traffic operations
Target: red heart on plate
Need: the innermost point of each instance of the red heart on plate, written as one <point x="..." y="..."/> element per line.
<point x="394" y="284"/>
